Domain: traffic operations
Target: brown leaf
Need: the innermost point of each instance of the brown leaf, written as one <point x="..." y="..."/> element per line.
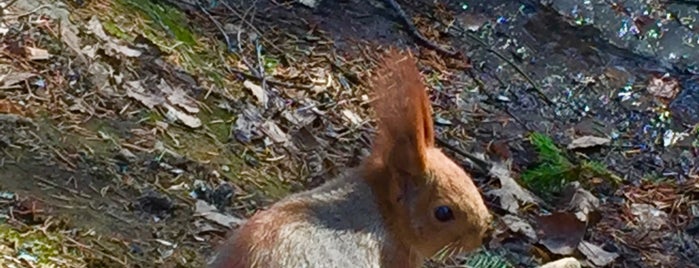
<point x="34" y="53"/>
<point x="500" y="149"/>
<point x="9" y="107"/>
<point x="12" y="79"/>
<point x="560" y="232"/>
<point x="472" y="21"/>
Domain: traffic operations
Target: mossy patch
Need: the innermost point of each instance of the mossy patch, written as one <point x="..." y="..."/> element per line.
<point x="554" y="170"/>
<point x="170" y="30"/>
<point x="37" y="246"/>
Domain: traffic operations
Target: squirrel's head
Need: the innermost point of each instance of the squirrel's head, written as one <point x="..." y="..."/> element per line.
<point x="430" y="203"/>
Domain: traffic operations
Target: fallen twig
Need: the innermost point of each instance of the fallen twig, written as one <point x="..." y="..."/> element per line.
<point x="229" y="45"/>
<point x="260" y="66"/>
<point x="269" y="80"/>
<point x="3" y="8"/>
<point x="253" y="28"/>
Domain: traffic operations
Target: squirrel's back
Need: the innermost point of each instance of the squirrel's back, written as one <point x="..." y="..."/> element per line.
<point x="335" y="225"/>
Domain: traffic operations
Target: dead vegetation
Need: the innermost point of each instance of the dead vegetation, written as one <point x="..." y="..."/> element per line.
<point x="135" y="133"/>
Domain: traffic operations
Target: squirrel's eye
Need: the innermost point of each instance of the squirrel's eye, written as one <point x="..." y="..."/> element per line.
<point x="443" y="213"/>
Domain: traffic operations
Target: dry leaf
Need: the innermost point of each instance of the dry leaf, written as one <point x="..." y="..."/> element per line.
<point x="72" y="40"/>
<point x="518" y="225"/>
<point x="582" y="202"/>
<point x="648" y="216"/>
<point x="321" y="79"/>
<point x="3" y="28"/>
<point x="299" y="117"/>
<point x="134" y="89"/>
<point x="178" y="97"/>
<point x="124" y="50"/>
<point x="587" y="142"/>
<point x="37" y="53"/>
<point x="560" y="232"/>
<point x="111" y="44"/>
<point x="90" y="51"/>
<point x="472" y="21"/>
<point x="12" y="79"/>
<point x="246" y="125"/>
<point x="352" y="117"/>
<point x="95" y="26"/>
<point x="257" y="91"/>
<point x="273" y="131"/>
<point x="510" y="192"/>
<point x="664" y="87"/>
<point x="203" y="209"/>
<point x="185" y="118"/>
<point x="101" y="75"/>
<point x="596" y="254"/>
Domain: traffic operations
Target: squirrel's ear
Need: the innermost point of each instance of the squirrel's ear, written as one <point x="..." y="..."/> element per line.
<point x="404" y="114"/>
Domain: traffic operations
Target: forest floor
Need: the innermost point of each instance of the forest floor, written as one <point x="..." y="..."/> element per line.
<point x="138" y="133"/>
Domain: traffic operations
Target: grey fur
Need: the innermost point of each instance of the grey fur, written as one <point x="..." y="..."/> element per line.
<point x="343" y="228"/>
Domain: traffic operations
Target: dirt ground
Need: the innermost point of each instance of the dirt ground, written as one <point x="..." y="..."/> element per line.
<point x="137" y="133"/>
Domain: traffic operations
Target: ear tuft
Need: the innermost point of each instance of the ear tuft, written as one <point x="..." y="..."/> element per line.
<point x="403" y="111"/>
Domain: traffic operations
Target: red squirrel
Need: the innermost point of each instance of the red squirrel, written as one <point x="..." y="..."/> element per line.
<point x="404" y="203"/>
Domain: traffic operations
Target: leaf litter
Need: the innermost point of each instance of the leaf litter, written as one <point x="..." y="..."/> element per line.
<point x="298" y="119"/>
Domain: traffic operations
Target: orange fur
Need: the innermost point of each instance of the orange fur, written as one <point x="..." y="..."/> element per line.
<point x="382" y="213"/>
<point x="404" y="161"/>
<point x="260" y="230"/>
<point x="403" y="109"/>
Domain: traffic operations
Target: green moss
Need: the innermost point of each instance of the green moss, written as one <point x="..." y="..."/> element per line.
<point x="44" y="247"/>
<point x="168" y="18"/>
<point x="111" y="28"/>
<point x="270" y="63"/>
<point x="170" y="30"/>
<point x="554" y="170"/>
